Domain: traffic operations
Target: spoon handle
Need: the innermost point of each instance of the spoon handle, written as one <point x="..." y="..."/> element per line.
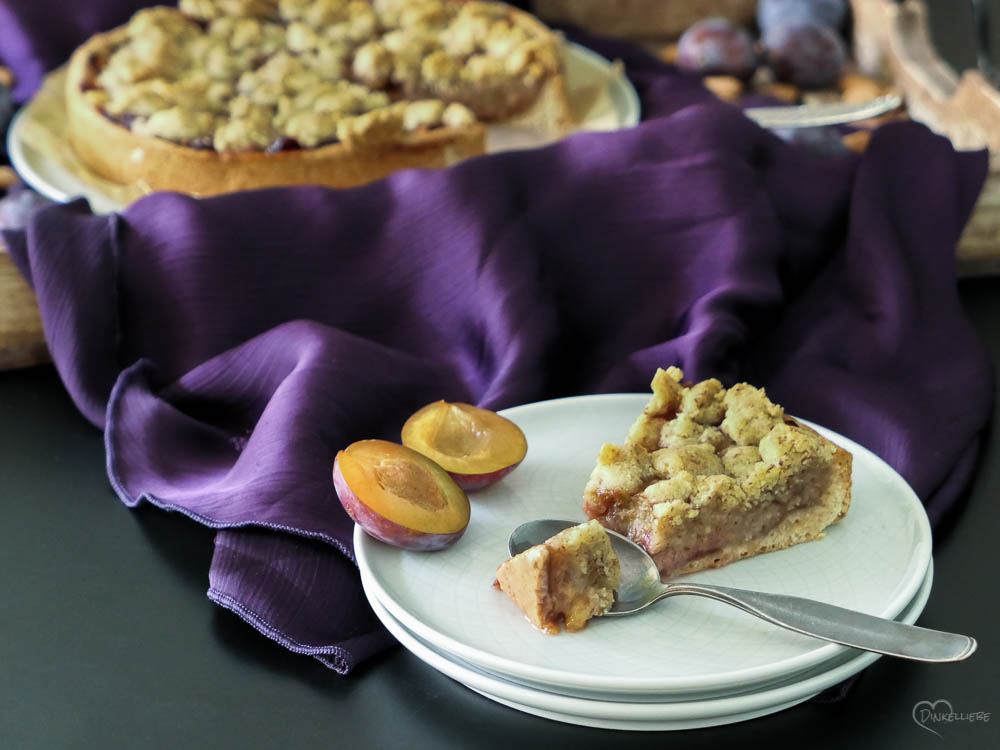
<point x="837" y="624"/>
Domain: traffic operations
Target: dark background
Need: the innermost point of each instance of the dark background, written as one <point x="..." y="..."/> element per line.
<point x="108" y="641"/>
<point x="952" y="27"/>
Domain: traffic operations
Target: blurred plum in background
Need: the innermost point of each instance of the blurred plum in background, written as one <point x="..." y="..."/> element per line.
<point x="714" y="46"/>
<point x="806" y="54"/>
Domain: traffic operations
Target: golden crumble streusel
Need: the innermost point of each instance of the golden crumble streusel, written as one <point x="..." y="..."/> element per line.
<point x="709" y="475"/>
<point x="256" y="75"/>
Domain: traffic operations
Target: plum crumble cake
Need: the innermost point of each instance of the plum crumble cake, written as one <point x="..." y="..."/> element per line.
<point x="219" y="95"/>
<point x="709" y="475"/>
<point x="568" y="579"/>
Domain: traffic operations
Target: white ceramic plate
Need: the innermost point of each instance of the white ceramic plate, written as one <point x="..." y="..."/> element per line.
<point x="612" y="714"/>
<point x="48" y="176"/>
<point x="603" y="98"/>
<point x="872" y="561"/>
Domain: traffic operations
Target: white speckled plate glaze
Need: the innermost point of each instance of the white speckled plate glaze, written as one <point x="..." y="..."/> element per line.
<point x="873" y="561"/>
<point x="647" y="716"/>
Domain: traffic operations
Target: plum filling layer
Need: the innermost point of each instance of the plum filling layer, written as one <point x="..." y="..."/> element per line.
<point x="567" y="579"/>
<point x="716" y="528"/>
<point x="708" y="476"/>
<point x="125" y="120"/>
<point x="283" y="144"/>
<point x="577" y="593"/>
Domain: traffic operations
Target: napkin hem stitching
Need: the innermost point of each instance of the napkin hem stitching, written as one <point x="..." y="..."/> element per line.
<point x="341" y="658"/>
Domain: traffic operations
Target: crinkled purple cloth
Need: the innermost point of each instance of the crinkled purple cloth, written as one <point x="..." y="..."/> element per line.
<point x="230" y="346"/>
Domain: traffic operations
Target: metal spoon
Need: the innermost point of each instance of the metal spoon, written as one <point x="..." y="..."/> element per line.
<point x="641" y="586"/>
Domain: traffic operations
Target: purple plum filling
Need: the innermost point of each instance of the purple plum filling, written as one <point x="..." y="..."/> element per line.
<point x="126" y="120"/>
<point x="204" y="143"/>
<point x="283" y="144"/>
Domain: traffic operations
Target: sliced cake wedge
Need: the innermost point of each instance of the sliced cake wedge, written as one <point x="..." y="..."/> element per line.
<point x="709" y="475"/>
<point x="567" y="579"/>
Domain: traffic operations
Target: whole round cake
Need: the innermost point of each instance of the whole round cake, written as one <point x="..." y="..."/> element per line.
<point x="222" y="95"/>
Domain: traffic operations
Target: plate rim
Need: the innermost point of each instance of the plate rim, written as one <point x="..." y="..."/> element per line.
<point x="23" y="165"/>
<point x="747" y="676"/>
<point x="793" y="691"/>
<point x="633" y="114"/>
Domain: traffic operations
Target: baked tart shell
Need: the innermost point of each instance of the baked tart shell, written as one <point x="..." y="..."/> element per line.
<point x="116" y="153"/>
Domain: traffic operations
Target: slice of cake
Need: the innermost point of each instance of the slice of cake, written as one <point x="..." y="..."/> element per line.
<point x="710" y="475"/>
<point x="567" y="579"/>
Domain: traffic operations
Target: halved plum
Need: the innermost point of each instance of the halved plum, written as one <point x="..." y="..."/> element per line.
<point x="400" y="496"/>
<point x="476" y="446"/>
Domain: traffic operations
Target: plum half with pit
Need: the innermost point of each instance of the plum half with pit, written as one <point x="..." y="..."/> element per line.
<point x="476" y="446"/>
<point x="400" y="496"/>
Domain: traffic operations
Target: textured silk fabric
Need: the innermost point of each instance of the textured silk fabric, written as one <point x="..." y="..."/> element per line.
<point x="230" y="346"/>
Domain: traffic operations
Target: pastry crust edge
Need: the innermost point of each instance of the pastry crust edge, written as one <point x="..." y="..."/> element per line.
<point x="801" y="525"/>
<point x="115" y="153"/>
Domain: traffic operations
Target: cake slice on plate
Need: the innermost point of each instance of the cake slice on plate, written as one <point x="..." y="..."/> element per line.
<point x="567" y="579"/>
<point x="709" y="475"/>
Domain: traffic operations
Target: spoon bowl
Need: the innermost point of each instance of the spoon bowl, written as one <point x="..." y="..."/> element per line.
<point x="641" y="586"/>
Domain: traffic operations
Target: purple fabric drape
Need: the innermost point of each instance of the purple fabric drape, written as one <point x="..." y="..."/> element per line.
<point x="229" y="347"/>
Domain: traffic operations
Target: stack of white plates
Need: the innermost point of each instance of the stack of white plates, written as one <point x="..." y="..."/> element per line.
<point x="685" y="662"/>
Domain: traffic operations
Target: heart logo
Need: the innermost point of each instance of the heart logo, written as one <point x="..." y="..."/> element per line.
<point x="924" y="710"/>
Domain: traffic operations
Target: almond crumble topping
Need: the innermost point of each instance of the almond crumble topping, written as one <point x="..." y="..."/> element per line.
<point x="708" y="475"/>
<point x="244" y="75"/>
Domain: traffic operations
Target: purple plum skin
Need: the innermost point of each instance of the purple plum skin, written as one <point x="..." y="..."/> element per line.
<point x="714" y="46"/>
<point x="473" y="482"/>
<point x="381" y="527"/>
<point x="806" y="54"/>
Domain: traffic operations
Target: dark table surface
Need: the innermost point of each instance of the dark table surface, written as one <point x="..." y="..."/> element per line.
<point x="108" y="641"/>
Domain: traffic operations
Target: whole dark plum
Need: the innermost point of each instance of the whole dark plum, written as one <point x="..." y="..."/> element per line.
<point x="771" y="13"/>
<point x="713" y="46"/>
<point x="806" y="54"/>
